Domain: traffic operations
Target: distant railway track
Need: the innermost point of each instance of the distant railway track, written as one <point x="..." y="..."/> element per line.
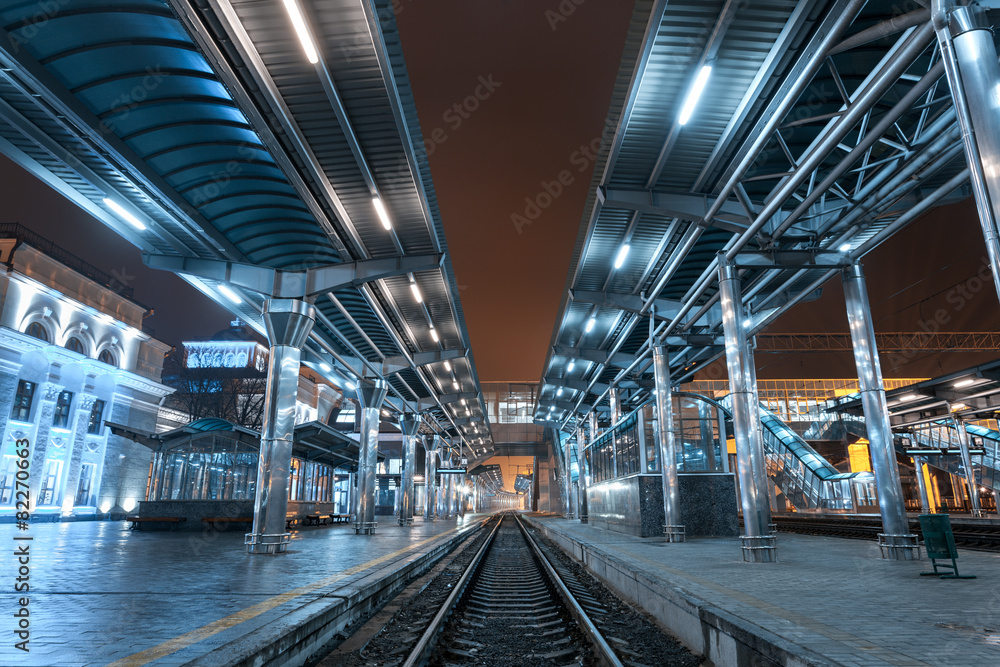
<point x="980" y="538"/>
<point x="511" y="602"/>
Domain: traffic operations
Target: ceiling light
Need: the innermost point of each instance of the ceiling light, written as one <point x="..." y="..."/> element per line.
<point x="325" y="367"/>
<point x="230" y="294"/>
<point x="455" y="385"/>
<point x="559" y="391"/>
<point x="569" y="368"/>
<point x="447" y="366"/>
<point x="747" y="323"/>
<point x="416" y="293"/>
<point x="464" y="402"/>
<point x="909" y="397"/>
<point x="434" y="334"/>
<point x="845" y="247"/>
<point x="590" y="325"/>
<point x="128" y="217"/>
<point x="385" y="413"/>
<point x="382" y="213"/>
<point x="692" y="99"/>
<point x="299" y="23"/>
<point x="959" y="406"/>
<point x="964" y="383"/>
<point x="622" y="254"/>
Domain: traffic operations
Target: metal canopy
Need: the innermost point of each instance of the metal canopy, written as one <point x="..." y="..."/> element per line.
<point x="823" y="128"/>
<point x="200" y="132"/>
<point x="973" y="393"/>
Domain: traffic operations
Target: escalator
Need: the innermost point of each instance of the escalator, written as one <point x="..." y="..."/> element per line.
<point x="806" y="479"/>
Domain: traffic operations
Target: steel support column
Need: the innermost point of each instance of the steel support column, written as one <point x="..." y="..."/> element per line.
<point x="970" y="471"/>
<point x="919" y="465"/>
<point x="409" y="425"/>
<point x="568" y="479"/>
<point x="673" y="529"/>
<point x="585" y="468"/>
<point x="896" y="541"/>
<point x="430" y="472"/>
<point x="370" y="397"/>
<point x="970" y="60"/>
<point x="615" y="404"/>
<point x="758" y="540"/>
<point x="288" y="323"/>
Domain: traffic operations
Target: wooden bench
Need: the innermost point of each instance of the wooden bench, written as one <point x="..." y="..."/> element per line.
<point x="137" y="520"/>
<point x="315" y="520"/>
<point x="340" y="518"/>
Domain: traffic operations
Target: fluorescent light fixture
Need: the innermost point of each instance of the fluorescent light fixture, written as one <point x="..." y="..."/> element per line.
<point x="416" y="293"/>
<point x="464" y="402"/>
<point x="622" y="254"/>
<point x="447" y="366"/>
<point x="382" y="213"/>
<point x="590" y="325"/>
<point x="909" y="397"/>
<point x="845" y="247"/>
<point x="125" y="215"/>
<point x="959" y="406"/>
<point x="964" y="383"/>
<point x="299" y="23"/>
<point x="325" y="367"/>
<point x="572" y="364"/>
<point x="385" y="413"/>
<point x="559" y="391"/>
<point x="692" y="99"/>
<point x="230" y="294"/>
<point x="748" y="322"/>
<point x="434" y="334"/>
<point x="456" y="385"/>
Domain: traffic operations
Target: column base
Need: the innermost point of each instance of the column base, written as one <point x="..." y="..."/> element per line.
<point x="583" y="518"/>
<point x="406" y="522"/>
<point x="980" y="514"/>
<point x="759" y="548"/>
<point x="365" y="528"/>
<point x="899" y="547"/>
<point x="674" y="533"/>
<point x="266" y="544"/>
<point x="429" y="519"/>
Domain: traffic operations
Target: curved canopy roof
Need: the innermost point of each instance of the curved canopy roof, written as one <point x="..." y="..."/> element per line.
<point x="202" y="131"/>
<point x="821" y="128"/>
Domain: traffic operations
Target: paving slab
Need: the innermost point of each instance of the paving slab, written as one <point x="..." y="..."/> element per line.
<point x="826" y="601"/>
<point x="102" y="594"/>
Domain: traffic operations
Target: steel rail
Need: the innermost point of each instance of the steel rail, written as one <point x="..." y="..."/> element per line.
<point x="418" y="656"/>
<point x="605" y="654"/>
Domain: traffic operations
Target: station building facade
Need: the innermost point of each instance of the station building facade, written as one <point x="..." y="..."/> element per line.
<point x="73" y="356"/>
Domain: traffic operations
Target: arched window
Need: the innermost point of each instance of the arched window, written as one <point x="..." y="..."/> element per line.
<point x="36" y="330"/>
<point x="105" y="357"/>
<point x="74" y="345"/>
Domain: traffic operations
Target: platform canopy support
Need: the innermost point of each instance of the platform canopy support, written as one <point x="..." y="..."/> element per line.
<point x="759" y="543"/>
<point x="432" y="446"/>
<point x="370" y="397"/>
<point x="288" y="323"/>
<point x="673" y="529"/>
<point x="896" y="541"/>
<point x="409" y="425"/>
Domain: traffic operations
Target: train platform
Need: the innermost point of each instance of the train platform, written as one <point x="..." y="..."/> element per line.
<point x="827" y="601"/>
<point x="104" y="595"/>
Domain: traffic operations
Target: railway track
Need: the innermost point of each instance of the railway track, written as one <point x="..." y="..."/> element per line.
<point x="512" y="606"/>
<point x="979" y="538"/>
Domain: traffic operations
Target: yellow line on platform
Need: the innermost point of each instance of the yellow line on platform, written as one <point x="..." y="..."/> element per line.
<point x="206" y="631"/>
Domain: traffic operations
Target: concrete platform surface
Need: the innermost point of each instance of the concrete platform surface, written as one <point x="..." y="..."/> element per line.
<point x="101" y="594"/>
<point x="827" y="601"/>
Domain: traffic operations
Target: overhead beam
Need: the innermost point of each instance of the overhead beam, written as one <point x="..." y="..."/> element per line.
<point x="666" y="309"/>
<point x="280" y="284"/>
<point x="445" y="399"/>
<point x="791" y="259"/>
<point x="576" y="385"/>
<point x="731" y="217"/>
<point x="399" y="363"/>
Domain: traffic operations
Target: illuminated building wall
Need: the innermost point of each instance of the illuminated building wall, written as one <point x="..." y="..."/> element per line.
<point x="72" y="357"/>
